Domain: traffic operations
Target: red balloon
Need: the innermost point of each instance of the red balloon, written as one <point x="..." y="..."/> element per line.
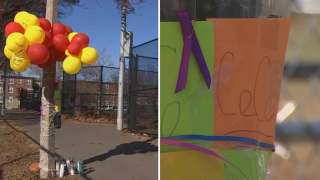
<point x="58" y="28"/>
<point x="59" y="55"/>
<point x="69" y="29"/>
<point x="38" y="53"/>
<point x="48" y="39"/>
<point x="45" y="24"/>
<point x="47" y="63"/>
<point x="74" y="48"/>
<point x="82" y="39"/>
<point x="60" y="42"/>
<point x="13" y="27"/>
<point x="51" y="53"/>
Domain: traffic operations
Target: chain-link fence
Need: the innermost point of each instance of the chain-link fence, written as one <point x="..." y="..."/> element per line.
<point x="143" y="88"/>
<point x="3" y="73"/>
<point x="68" y="94"/>
<point x="93" y="92"/>
<point x="30" y="100"/>
<point x="297" y="155"/>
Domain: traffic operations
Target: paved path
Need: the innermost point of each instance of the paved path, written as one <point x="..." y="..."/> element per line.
<point x="106" y="152"/>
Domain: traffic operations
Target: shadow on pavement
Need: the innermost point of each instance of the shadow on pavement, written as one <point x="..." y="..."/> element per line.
<point x="126" y="149"/>
<point x="22" y="118"/>
<point x="87" y="170"/>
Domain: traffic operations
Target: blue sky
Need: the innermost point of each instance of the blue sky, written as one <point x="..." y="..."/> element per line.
<point x="102" y="25"/>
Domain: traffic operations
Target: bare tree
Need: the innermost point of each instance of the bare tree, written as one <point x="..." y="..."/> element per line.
<point x="91" y="78"/>
<point x="131" y="5"/>
<point x="35" y="71"/>
<point x="104" y="59"/>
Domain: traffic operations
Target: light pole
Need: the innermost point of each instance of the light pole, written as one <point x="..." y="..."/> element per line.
<point x="121" y="65"/>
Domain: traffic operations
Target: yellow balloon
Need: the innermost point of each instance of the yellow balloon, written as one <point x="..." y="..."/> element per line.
<point x="32" y="20"/>
<point x="28" y="21"/>
<point x="19" y="64"/>
<point x="20" y="16"/>
<point x="71" y="65"/>
<point x="17" y="43"/>
<point x="70" y="36"/>
<point x="8" y="53"/>
<point x="88" y="55"/>
<point x="67" y="52"/>
<point x="34" y="34"/>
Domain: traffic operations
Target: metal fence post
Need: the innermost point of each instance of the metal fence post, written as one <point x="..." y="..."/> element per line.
<point x="129" y="91"/>
<point x="133" y="67"/>
<point x="75" y="90"/>
<point x="101" y="82"/>
<point x="4" y="88"/>
<point x="62" y="93"/>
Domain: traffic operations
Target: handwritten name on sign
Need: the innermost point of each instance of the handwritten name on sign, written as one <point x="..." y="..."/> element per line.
<point x="246" y="96"/>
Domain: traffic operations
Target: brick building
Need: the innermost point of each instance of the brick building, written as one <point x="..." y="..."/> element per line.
<point x="11" y="89"/>
<point x="88" y="94"/>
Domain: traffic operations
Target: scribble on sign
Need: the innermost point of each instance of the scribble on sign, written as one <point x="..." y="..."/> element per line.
<point x="168" y="107"/>
<point x="268" y="136"/>
<point x="218" y="84"/>
<point x="172" y="48"/>
<point x="249" y="97"/>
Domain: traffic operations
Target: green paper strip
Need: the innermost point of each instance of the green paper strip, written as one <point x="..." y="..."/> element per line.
<point x="191" y="110"/>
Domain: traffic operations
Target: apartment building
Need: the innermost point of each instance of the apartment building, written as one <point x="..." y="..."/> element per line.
<point x="10" y="91"/>
<point x="88" y="94"/>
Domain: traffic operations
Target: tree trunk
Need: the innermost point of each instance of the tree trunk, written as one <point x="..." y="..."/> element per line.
<point x="47" y="136"/>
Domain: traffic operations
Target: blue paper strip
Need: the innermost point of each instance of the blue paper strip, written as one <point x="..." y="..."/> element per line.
<point x="222" y="138"/>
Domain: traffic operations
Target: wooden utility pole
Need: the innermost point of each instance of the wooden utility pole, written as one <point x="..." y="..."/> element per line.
<point x="47" y="132"/>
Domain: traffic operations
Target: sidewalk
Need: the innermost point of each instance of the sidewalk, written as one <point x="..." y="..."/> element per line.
<point x="106" y="152"/>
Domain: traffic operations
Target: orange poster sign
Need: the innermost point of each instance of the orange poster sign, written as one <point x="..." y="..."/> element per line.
<point x="248" y="66"/>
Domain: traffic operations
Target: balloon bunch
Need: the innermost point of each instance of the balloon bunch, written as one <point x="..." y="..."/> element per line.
<point x="32" y="40"/>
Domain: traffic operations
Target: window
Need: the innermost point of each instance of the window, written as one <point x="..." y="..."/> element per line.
<point x="1" y="98"/>
<point x="1" y="89"/>
<point x="28" y="82"/>
<point x="11" y="81"/>
<point x="10" y="89"/>
<point x="10" y="99"/>
<point x="1" y="80"/>
<point x="107" y="86"/>
<point x="20" y="81"/>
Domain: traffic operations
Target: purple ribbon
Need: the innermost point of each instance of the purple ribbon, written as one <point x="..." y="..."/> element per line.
<point x="190" y="43"/>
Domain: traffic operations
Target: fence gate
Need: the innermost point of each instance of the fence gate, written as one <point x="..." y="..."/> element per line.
<point x="143" y="89"/>
<point x="68" y="94"/>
